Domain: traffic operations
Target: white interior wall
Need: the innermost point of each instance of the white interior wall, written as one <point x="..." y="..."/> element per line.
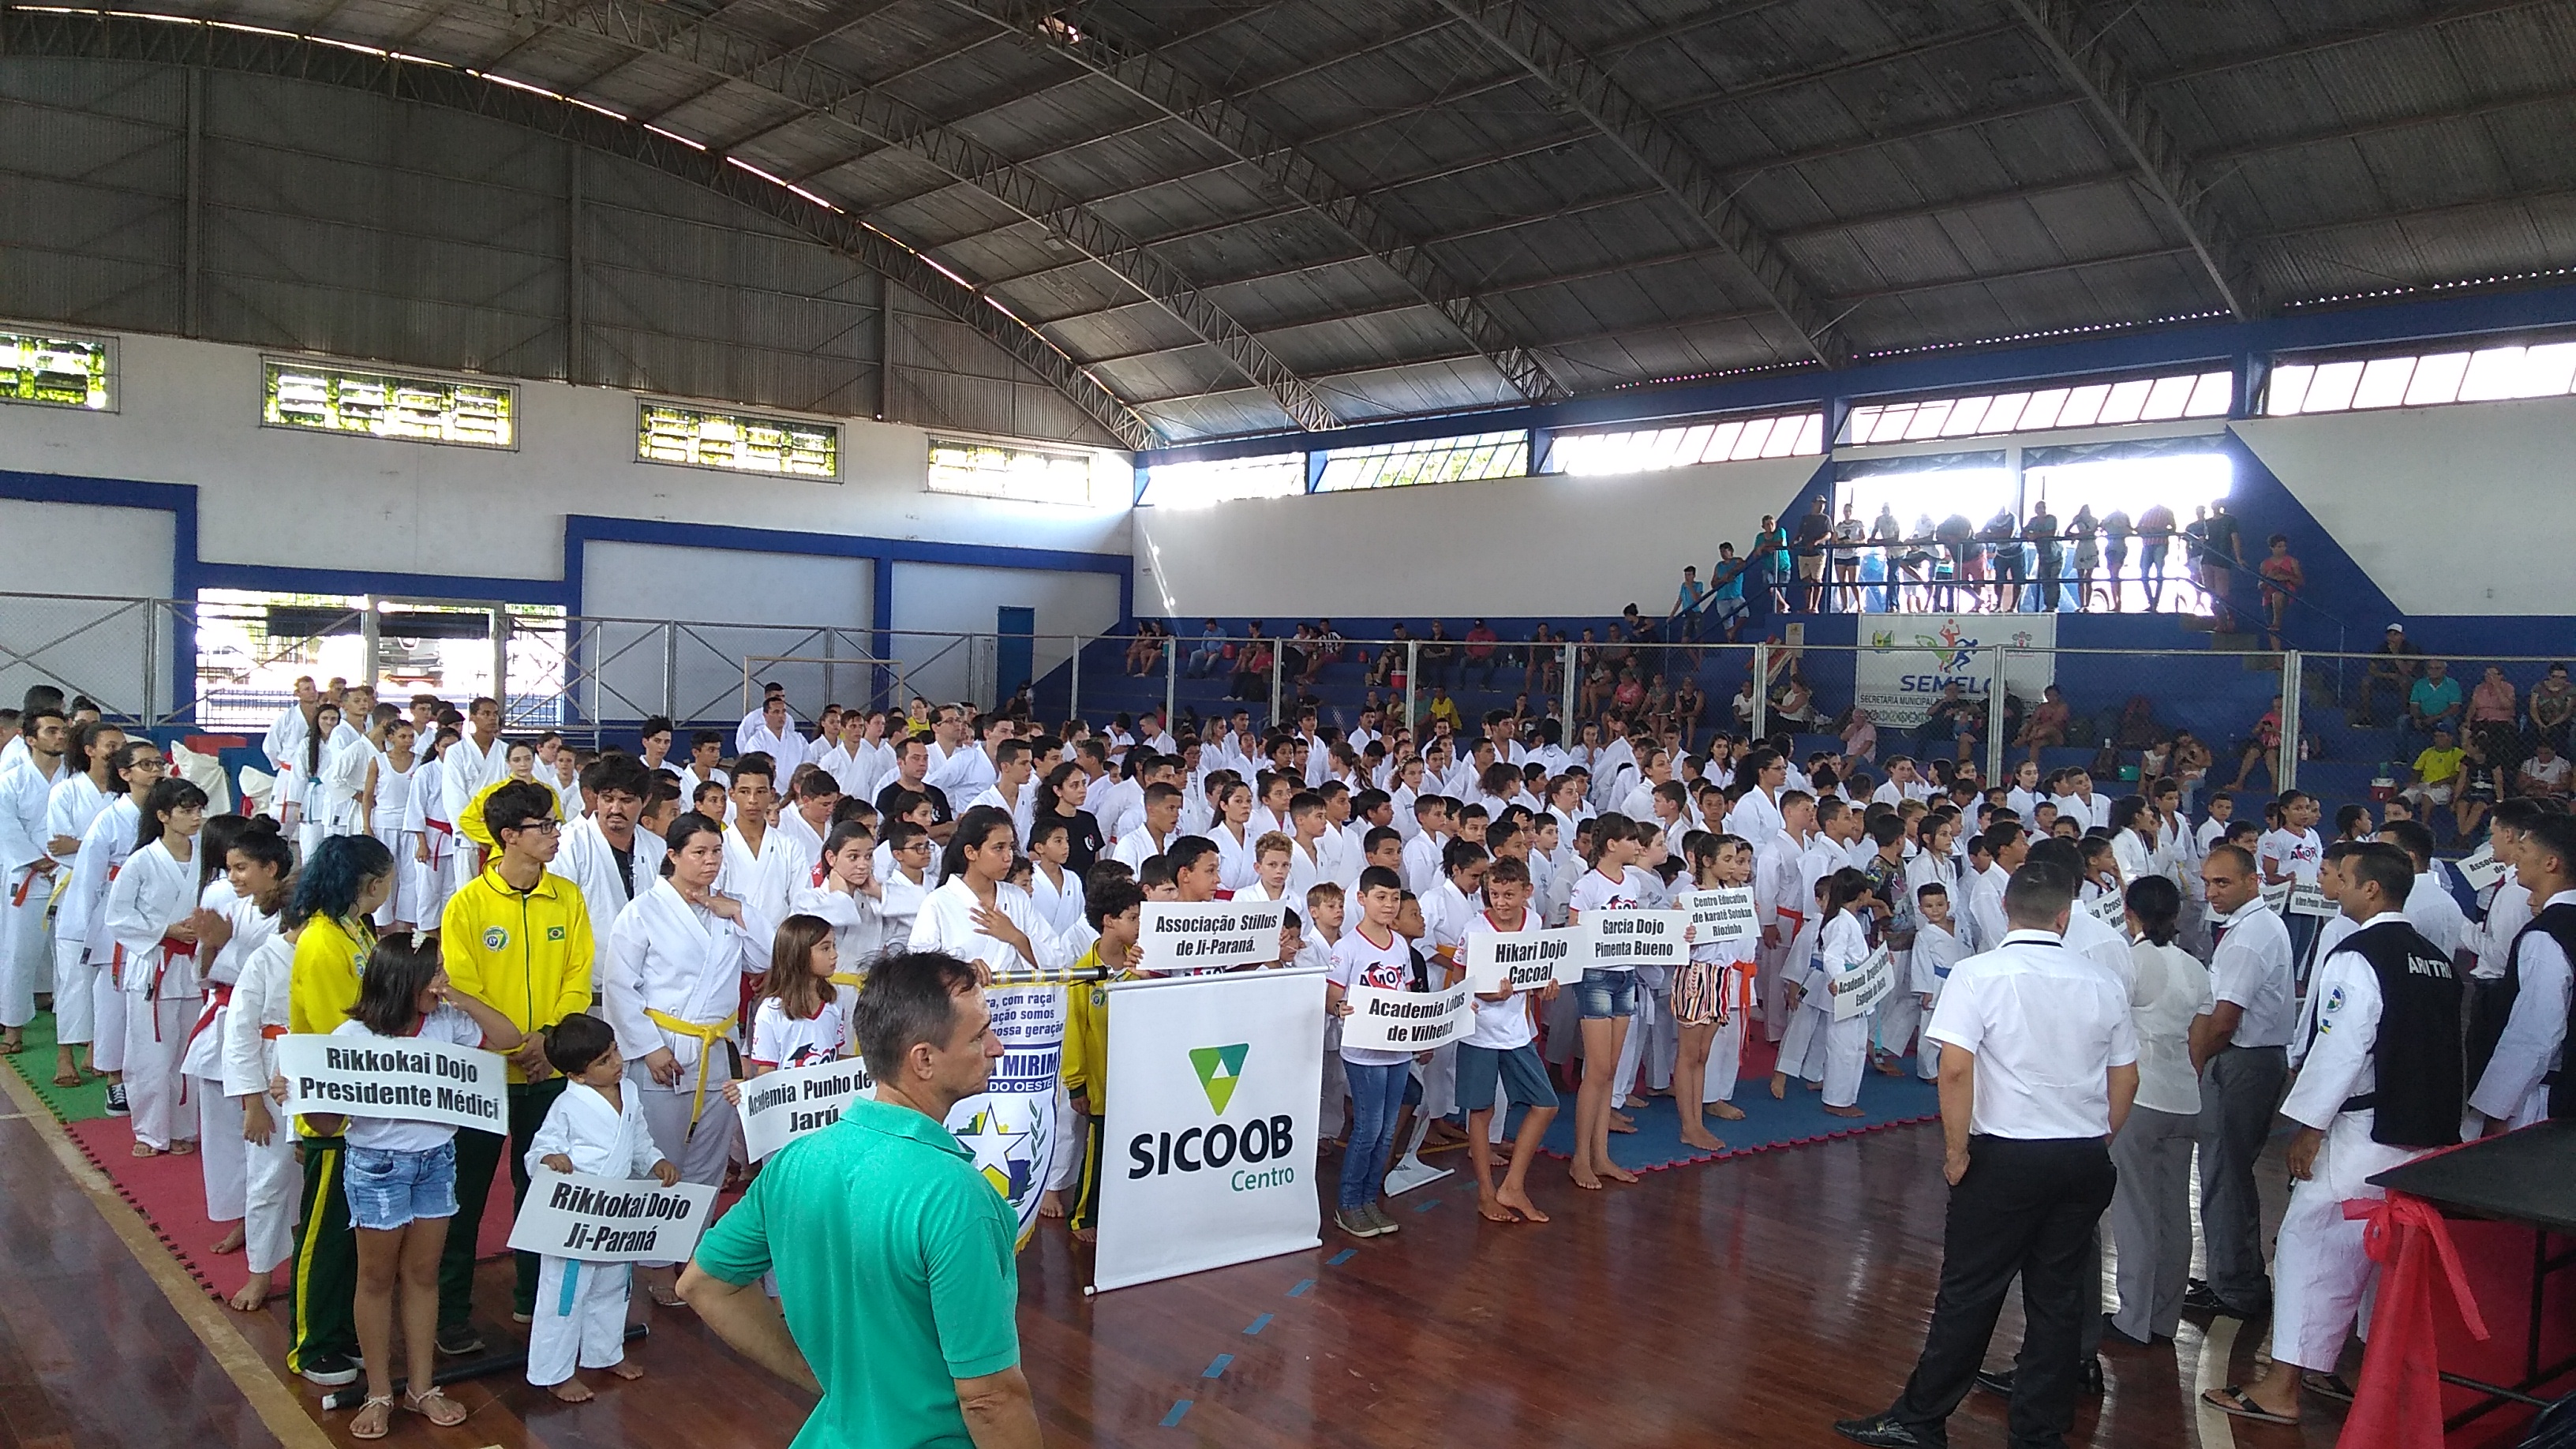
<point x="188" y="412"/>
<point x="49" y="551"/>
<point x="814" y="606"/>
<point x="1556" y="544"/>
<point x="954" y="598"/>
<point x="2465" y="509"/>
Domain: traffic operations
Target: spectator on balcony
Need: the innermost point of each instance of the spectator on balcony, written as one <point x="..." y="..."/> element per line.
<point x="1143" y="654"/>
<point x="1848" y="536"/>
<point x="1484" y="652"/>
<point x="2155" y="536"/>
<point x="2222" y="553"/>
<point x="1770" y="562"/>
<point x="1689" y="703"/>
<point x="1543" y="662"/>
<point x="2116" y="529"/>
<point x="2086" y="532"/>
<point x="1251" y="666"/>
<point x="1438" y="654"/>
<point x="2263" y="744"/>
<point x="1682" y="623"/>
<point x="2481" y="785"/>
<point x="2049" y="557"/>
<point x="1808" y="543"/>
<point x="1387" y="670"/>
<point x="1860" y="736"/>
<point x="1796" y="703"/>
<point x="2552" y="703"/>
<point x="1211" y="650"/>
<point x="1727" y="606"/>
<point x="2392" y="669"/>
<point x="2282" y="580"/>
<point x="2002" y="539"/>
<point x="1742" y="707"/>
<point x="2434" y="702"/>
<point x="1958" y="538"/>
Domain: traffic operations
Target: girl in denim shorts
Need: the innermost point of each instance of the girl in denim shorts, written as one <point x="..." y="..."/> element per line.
<point x="1607" y="997"/>
<point x="401" y="1178"/>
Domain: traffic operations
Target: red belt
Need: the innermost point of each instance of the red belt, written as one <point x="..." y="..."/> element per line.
<point x="18" y="897"/>
<point x="218" y="996"/>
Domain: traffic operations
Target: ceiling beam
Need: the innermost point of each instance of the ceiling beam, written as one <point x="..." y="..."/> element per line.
<point x="2114" y="95"/>
<point x="1515" y="28"/>
<point x="1171" y="91"/>
<point x="94" y="35"/>
<point x="822" y="91"/>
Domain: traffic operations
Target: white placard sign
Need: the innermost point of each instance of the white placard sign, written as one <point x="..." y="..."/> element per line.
<point x="1637" y="938"/>
<point x="1407" y="1021"/>
<point x="611" y="1220"/>
<point x="2111" y="910"/>
<point x="1527" y="959"/>
<point x="1208" y="936"/>
<point x="2309" y="899"/>
<point x="1206" y="1159"/>
<point x="1723" y="915"/>
<point x="2277" y="896"/>
<point x="782" y="1106"/>
<point x="413" y="1080"/>
<point x="2480" y="868"/>
<point x="1864" y="986"/>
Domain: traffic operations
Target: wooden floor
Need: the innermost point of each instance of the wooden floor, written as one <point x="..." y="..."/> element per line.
<point x="1750" y="1303"/>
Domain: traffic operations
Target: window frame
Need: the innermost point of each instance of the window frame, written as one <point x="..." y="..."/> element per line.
<point x="271" y="363"/>
<point x="111" y="381"/>
<point x="644" y="405"/>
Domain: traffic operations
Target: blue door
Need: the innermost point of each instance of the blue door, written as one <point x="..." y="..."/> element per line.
<point x="1014" y="653"/>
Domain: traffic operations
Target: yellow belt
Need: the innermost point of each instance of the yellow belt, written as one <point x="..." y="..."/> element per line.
<point x="844" y="978"/>
<point x="708" y="1034"/>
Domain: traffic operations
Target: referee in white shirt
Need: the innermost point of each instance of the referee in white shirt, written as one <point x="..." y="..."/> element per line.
<point x="2244" y="1046"/>
<point x="2038" y="1068"/>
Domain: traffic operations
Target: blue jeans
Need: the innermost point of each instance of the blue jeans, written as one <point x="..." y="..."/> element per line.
<point x="1377" y="1096"/>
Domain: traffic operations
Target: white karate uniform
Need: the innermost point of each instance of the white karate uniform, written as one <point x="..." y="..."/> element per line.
<point x="1422" y="861"/>
<point x="1234" y="865"/>
<point x="2514" y="1088"/>
<point x="86" y="1005"/>
<point x="1755" y="818"/>
<point x="946" y="922"/>
<point x="1835" y="1052"/>
<point x="581" y="1307"/>
<point x="388" y="823"/>
<point x="425" y="887"/>
<point x="763" y="880"/>
<point x="1735" y="991"/>
<point x="1935" y="951"/>
<point x="153" y="893"/>
<point x="2431" y="910"/>
<point x="219" y="1117"/>
<point x="586" y="859"/>
<point x="1780" y="907"/>
<point x="1060" y="906"/>
<point x="272" y="1181"/>
<point x="687" y="963"/>
<point x="784" y="746"/>
<point x="463" y="772"/>
<point x="2319" y="1268"/>
<point x="26" y="956"/>
<point x="858" y="932"/>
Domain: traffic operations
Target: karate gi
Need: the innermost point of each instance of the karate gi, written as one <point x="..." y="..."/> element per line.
<point x="586" y="859"/>
<point x="387" y="822"/>
<point x="158" y="977"/>
<point x="465" y="771"/>
<point x="81" y="986"/>
<point x="201" y="1062"/>
<point x="2514" y="1088"/>
<point x="1782" y="911"/>
<point x="581" y="1307"/>
<point x="762" y="880"/>
<point x="674" y="980"/>
<point x="1832" y="1052"/>
<point x="271" y="1181"/>
<point x="425" y="827"/>
<point x="27" y="876"/>
<point x="858" y="933"/>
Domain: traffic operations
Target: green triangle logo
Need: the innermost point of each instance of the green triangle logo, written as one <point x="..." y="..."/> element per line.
<point x="1219" y="1068"/>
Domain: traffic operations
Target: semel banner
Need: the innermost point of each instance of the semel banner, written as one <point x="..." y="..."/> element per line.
<point x="1207" y="1156"/>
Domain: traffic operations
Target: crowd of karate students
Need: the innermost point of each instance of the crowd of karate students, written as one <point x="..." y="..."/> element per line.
<point x="609" y="920"/>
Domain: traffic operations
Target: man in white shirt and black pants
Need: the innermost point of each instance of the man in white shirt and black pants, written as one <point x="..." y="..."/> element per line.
<point x="2244" y="1045"/>
<point x="2038" y="1068"/>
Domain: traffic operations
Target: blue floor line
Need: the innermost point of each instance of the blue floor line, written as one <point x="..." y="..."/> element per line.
<point x="1344" y="1256"/>
<point x="1302" y="1285"/>
<point x="1426" y="1207"/>
<point x="1172" y="1420"/>
<point x="1217" y="1367"/>
<point x="1258" y="1324"/>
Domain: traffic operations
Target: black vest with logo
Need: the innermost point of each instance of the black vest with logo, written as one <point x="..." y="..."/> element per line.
<point x="2559" y="924"/>
<point x="2416" y="1057"/>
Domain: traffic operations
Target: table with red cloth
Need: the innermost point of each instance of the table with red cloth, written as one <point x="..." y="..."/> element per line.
<point x="2468" y="1241"/>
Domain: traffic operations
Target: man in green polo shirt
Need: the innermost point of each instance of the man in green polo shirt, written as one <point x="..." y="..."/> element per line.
<point x="894" y="1255"/>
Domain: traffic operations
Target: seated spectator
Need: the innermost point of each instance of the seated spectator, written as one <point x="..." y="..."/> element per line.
<point x="1483" y="651"/>
<point x="2493" y="710"/>
<point x="1743" y="706"/>
<point x="1438" y="654"/>
<point x="2282" y="580"/>
<point x="1860" y="737"/>
<point x="1543" y="662"/>
<point x="2481" y="783"/>
<point x="2552" y="703"/>
<point x="2437" y="773"/>
<point x="1251" y="667"/>
<point x="1211" y="650"/>
<point x="2263" y="744"/>
<point x="2544" y="775"/>
<point x="2392" y="671"/>
<point x="1145" y="655"/>
<point x="1689" y="703"/>
<point x="2433" y="701"/>
<point x="2191" y="762"/>
<point x="1797" y="703"/>
<point x="2047" y="724"/>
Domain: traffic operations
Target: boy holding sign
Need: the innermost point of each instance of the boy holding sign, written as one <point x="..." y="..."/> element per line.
<point x="597" y="1129"/>
<point x="1370" y="954"/>
<point x="401" y="1177"/>
<point x="1499" y="1048"/>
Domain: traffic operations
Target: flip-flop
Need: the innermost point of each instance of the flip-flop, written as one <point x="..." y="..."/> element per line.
<point x="2232" y="1401"/>
<point x="2330" y="1386"/>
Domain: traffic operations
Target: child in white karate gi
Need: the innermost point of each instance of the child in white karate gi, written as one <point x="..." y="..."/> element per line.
<point x="596" y="1128"/>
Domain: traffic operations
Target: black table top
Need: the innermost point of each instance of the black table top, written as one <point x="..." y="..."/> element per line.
<point x="2524" y="1177"/>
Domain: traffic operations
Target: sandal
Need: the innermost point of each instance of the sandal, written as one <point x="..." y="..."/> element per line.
<point x="361" y="1427"/>
<point x="2329" y="1386"/>
<point x="2232" y="1401"/>
<point x="436" y="1407"/>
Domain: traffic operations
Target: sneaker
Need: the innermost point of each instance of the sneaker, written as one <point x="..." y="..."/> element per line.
<point x="1357" y="1222"/>
<point x="116" y="1108"/>
<point x="1385" y="1224"/>
<point x="330" y="1370"/>
<point x="459" y="1341"/>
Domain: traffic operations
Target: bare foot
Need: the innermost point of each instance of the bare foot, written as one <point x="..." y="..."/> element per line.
<point x="184" y="1147"/>
<point x="1616" y="1173"/>
<point x="1519" y="1202"/>
<point x="1815" y="1086"/>
<point x="627" y="1370"/>
<point x="1086" y="1235"/>
<point x="1585" y="1180"/>
<point x="1699" y="1137"/>
<point x="1621" y="1122"/>
<point x="1845" y="1112"/>
<point x="229" y="1243"/>
<point x="1779" y="1086"/>
<point x="1051" y="1204"/>
<point x="1491" y="1209"/>
<point x="571" y="1391"/>
<point x="1726" y="1111"/>
<point x="251" y="1296"/>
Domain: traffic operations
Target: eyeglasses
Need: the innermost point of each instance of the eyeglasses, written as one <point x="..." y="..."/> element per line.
<point x="548" y="826"/>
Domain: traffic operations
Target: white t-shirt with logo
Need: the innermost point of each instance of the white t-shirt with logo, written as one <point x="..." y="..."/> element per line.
<point x="1358" y="961"/>
<point x="1598" y="892"/>
<point x="2298" y="854"/>
<point x="399" y="1134"/>
<point x="1505" y="1024"/>
<point x="785" y="1042"/>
